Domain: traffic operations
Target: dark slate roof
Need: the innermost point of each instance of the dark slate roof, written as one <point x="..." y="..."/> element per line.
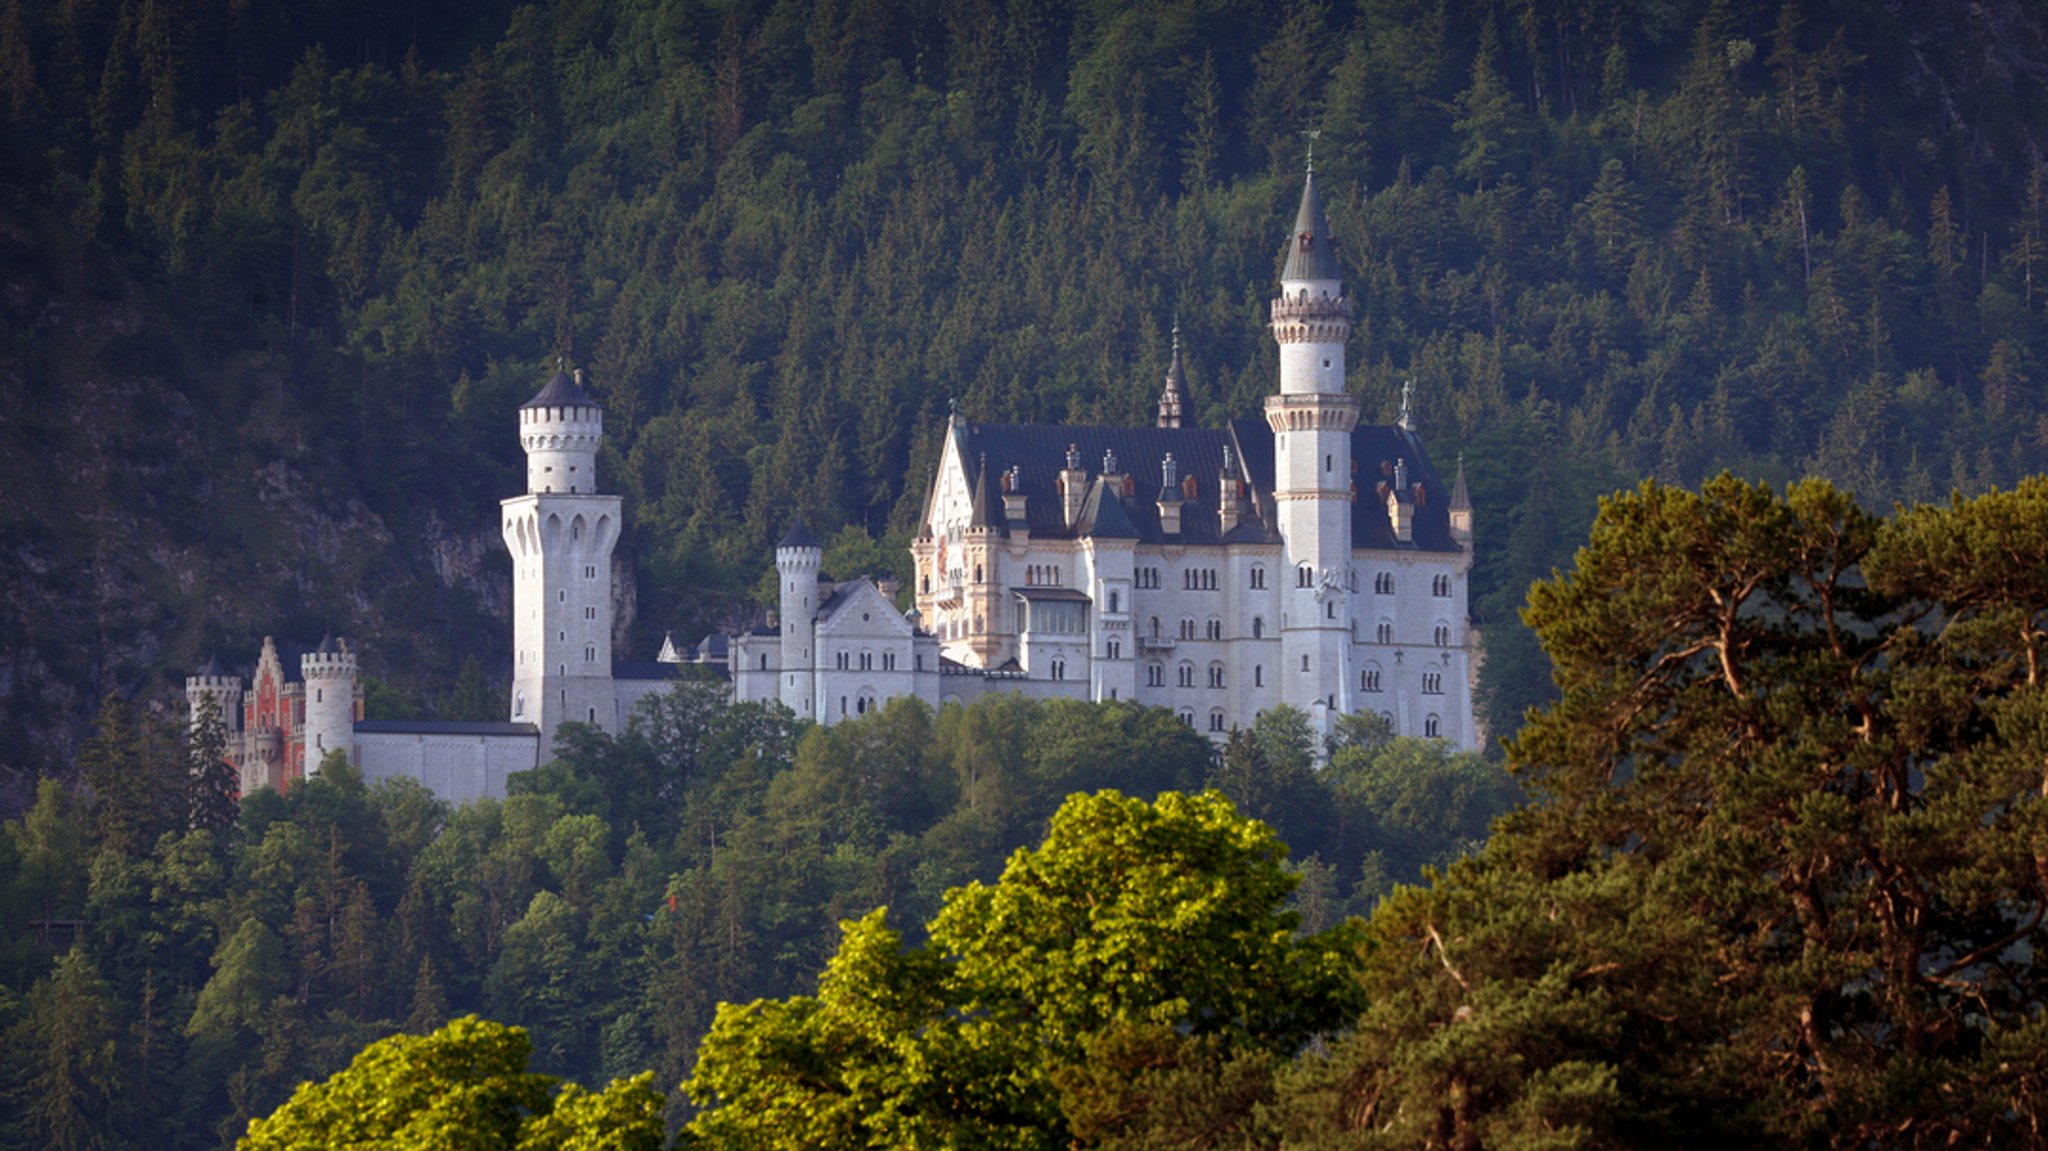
<point x="1311" y="249"/>
<point x="441" y="727"/>
<point x="561" y="392"/>
<point x="1461" y="497"/>
<point x="212" y="669"/>
<point x="798" y="536"/>
<point x="1039" y="451"/>
<point x="327" y="646"/>
<point x="1061" y="594"/>
<point x="645" y="669"/>
<point x="715" y="646"/>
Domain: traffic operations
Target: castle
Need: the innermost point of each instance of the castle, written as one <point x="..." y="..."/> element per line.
<point x="1303" y="559"/>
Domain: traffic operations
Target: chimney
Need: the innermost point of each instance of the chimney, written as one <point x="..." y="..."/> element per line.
<point x="1013" y="499"/>
<point x="1170" y="497"/>
<point x="1073" y="485"/>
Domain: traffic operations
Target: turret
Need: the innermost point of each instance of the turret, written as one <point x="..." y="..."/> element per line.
<point x="330" y="674"/>
<point x="213" y="682"/>
<point x="1230" y="495"/>
<point x="1173" y="398"/>
<point x="561" y="428"/>
<point x="797" y="559"/>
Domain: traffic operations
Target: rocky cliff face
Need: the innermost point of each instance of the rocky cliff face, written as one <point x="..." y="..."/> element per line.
<point x="163" y="502"/>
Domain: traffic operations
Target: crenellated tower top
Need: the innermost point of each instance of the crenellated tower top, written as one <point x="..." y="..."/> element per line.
<point x="561" y="428"/>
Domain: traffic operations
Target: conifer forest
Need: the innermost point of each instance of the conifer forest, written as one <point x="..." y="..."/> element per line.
<point x="1736" y="312"/>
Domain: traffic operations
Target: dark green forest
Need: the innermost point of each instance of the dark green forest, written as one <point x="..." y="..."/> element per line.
<point x="173" y="967"/>
<point x="276" y="274"/>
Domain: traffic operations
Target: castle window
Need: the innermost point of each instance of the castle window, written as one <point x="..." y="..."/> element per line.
<point x="1432" y="682"/>
<point x="1187" y="628"/>
<point x="1155" y="675"/>
<point x="840" y="661"/>
<point x="1330" y="610"/>
<point x="1114" y="602"/>
<point x="1114" y="649"/>
<point x="1443" y="634"/>
<point x="1258" y="675"/>
<point x="888" y="661"/>
<point x="1258" y="627"/>
<point x="1187" y="675"/>
<point x="590" y="613"/>
<point x="1215" y="629"/>
<point x="589" y="571"/>
<point x="561" y="597"/>
<point x="1059" y="669"/>
<point x="589" y="653"/>
<point x="1329" y="463"/>
<point x="867" y="661"/>
<point x="764" y="661"/>
<point x="1155" y="627"/>
<point x="1304" y="661"/>
<point x="1383" y="583"/>
<point x="977" y="573"/>
<point x="1187" y="716"/>
<point x="1432" y="727"/>
<point x="1215" y="675"/>
<point x="842" y="705"/>
<point x="1369" y="680"/>
<point x="317" y="696"/>
<point x="1258" y="576"/>
<point x="1440" y="586"/>
<point x="1305" y="576"/>
<point x="1216" y="720"/>
<point x="1384" y="632"/>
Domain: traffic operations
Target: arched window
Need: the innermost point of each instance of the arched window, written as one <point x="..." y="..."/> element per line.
<point x="1432" y="727"/>
<point x="1216" y="719"/>
<point x="1187" y="675"/>
<point x="1215" y="675"/>
<point x="1305" y="576"/>
<point x="1258" y="575"/>
<point x="1215" y="628"/>
<point x="1383" y="583"/>
<point x="1187" y="628"/>
<point x="1369" y="679"/>
<point x="1114" y="649"/>
<point x="1384" y="632"/>
<point x="1059" y="669"/>
<point x="1187" y="716"/>
<point x="1432" y="682"/>
<point x="1258" y="627"/>
<point x="1114" y="603"/>
<point x="1155" y="675"/>
<point x="1443" y="634"/>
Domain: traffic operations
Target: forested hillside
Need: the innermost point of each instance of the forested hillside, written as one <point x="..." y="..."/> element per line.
<point x="274" y="274"/>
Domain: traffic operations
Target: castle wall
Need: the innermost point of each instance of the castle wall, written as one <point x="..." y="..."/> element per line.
<point x="458" y="767"/>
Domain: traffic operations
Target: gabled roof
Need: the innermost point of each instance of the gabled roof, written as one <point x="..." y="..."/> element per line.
<point x="560" y="392"/>
<point x="1311" y="249"/>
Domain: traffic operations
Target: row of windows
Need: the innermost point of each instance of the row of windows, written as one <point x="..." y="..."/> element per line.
<point x="1198" y="579"/>
<point x="844" y="661"/>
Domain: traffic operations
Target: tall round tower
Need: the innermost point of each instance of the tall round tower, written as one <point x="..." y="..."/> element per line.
<point x="329" y="672"/>
<point x="1312" y="419"/>
<point x="797" y="559"/>
<point x="561" y="534"/>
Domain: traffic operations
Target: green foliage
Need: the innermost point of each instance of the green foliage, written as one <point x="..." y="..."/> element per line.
<point x="1133" y="927"/>
<point x="1781" y="721"/>
<point x="465" y="1086"/>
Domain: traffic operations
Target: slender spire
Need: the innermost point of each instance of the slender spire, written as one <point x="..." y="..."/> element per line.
<point x="984" y="515"/>
<point x="1311" y="251"/>
<point x="1461" y="498"/>
<point x="1173" y="399"/>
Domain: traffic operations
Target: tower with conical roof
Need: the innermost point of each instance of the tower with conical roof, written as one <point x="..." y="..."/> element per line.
<point x="1312" y="419"/>
<point x="561" y="534"/>
<point x="1173" y="397"/>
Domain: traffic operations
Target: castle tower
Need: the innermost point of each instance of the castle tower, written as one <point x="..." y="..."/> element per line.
<point x="226" y="692"/>
<point x="329" y="672"/>
<point x="1312" y="419"/>
<point x="561" y="534"/>
<point x="796" y="568"/>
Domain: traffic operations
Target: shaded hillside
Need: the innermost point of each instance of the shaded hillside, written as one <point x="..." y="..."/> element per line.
<point x="1607" y="241"/>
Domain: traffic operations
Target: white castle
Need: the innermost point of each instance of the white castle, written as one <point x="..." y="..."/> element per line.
<point x="1305" y="559"/>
